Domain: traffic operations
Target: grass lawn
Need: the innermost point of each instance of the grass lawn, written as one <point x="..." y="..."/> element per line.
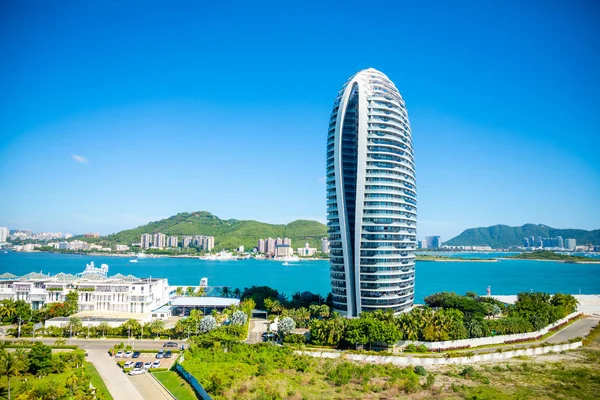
<point x="176" y="385"/>
<point x="97" y="381"/>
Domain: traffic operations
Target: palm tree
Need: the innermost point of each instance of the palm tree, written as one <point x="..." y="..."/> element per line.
<point x="157" y="327"/>
<point x="12" y="364"/>
<point x="225" y="292"/>
<point x="60" y="342"/>
<point x="132" y="327"/>
<point x="103" y="327"/>
<point x="74" y="325"/>
<point x="8" y="309"/>
<point x="237" y="293"/>
<point x="189" y="291"/>
<point x="179" y="291"/>
<point x="201" y="292"/>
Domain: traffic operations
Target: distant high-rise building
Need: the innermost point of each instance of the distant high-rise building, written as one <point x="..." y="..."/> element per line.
<point x="325" y="245"/>
<point x="560" y="242"/>
<point x="539" y="242"/>
<point x="570" y="244"/>
<point x="371" y="197"/>
<point x="145" y="241"/>
<point x="422" y="244"/>
<point x="208" y="243"/>
<point x="278" y="241"/>
<point x="160" y="240"/>
<point x="186" y="240"/>
<point x="287" y="241"/>
<point x="172" y="241"/>
<point x="433" y="242"/>
<point x="261" y="245"/>
<point x="526" y="242"/>
<point x="270" y="246"/>
<point x="4" y="231"/>
<point x="91" y="235"/>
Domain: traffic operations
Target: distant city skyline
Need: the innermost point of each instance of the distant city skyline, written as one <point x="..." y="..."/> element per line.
<point x="114" y="115"/>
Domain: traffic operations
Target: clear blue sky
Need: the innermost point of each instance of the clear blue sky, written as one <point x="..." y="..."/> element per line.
<point x="224" y="106"/>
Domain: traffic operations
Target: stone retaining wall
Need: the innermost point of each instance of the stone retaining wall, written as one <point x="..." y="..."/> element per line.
<point x="403" y="361"/>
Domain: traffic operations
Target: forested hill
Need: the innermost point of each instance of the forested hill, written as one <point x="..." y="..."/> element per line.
<point x="502" y="236"/>
<point x="229" y="234"/>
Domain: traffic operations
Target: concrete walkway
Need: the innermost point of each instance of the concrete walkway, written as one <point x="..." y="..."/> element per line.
<point x="150" y="388"/>
<point x="115" y="380"/>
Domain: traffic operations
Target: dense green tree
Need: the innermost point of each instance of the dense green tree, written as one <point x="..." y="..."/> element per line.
<point x="71" y="302"/>
<point x="259" y="294"/>
<point x="40" y="359"/>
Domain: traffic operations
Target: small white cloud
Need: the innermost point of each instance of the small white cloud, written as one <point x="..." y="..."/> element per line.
<point x="79" y="159"/>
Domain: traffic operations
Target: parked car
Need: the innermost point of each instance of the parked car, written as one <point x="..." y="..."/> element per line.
<point x="156" y="364"/>
<point x="119" y="354"/>
<point x="128" y="364"/>
<point x="139" y="365"/>
<point x="147" y="364"/>
<point x="136" y="354"/>
<point x="136" y="372"/>
<point x="160" y="354"/>
<point x="170" y="344"/>
<point x="128" y="354"/>
<point x="168" y="354"/>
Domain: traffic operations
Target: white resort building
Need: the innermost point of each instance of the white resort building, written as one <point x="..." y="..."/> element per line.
<point x="97" y="291"/>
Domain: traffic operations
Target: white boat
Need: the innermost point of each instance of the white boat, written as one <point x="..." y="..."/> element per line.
<point x="288" y="259"/>
<point x="286" y="263"/>
<point x="220" y="256"/>
<point x="133" y="261"/>
<point x="141" y="255"/>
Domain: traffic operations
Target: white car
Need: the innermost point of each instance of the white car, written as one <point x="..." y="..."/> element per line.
<point x="129" y="364"/>
<point x="119" y="354"/>
<point x="128" y="354"/>
<point x="136" y="372"/>
<point x="156" y="364"/>
<point x="148" y="365"/>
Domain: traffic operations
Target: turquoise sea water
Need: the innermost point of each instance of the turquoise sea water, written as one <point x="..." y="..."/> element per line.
<point x="504" y="276"/>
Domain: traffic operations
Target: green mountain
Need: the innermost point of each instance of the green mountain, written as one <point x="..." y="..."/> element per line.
<point x="229" y="234"/>
<point x="502" y="236"/>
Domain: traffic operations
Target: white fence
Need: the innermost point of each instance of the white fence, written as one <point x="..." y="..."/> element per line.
<point x="483" y="341"/>
<point x="400" y="360"/>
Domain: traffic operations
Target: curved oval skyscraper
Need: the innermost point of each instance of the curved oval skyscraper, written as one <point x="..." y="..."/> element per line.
<point x="371" y="197"/>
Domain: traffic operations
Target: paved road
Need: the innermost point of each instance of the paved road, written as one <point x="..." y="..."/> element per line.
<point x="256" y="329"/>
<point x="579" y="328"/>
<point x="115" y="380"/>
<point x="150" y="388"/>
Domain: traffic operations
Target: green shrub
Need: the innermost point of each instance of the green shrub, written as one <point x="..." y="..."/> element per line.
<point x="429" y="382"/>
<point x="421" y="348"/>
<point x="411" y="348"/>
<point x="467" y="372"/>
<point x="420" y="370"/>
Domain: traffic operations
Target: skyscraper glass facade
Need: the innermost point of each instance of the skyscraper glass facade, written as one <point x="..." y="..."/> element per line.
<point x="371" y="197"/>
